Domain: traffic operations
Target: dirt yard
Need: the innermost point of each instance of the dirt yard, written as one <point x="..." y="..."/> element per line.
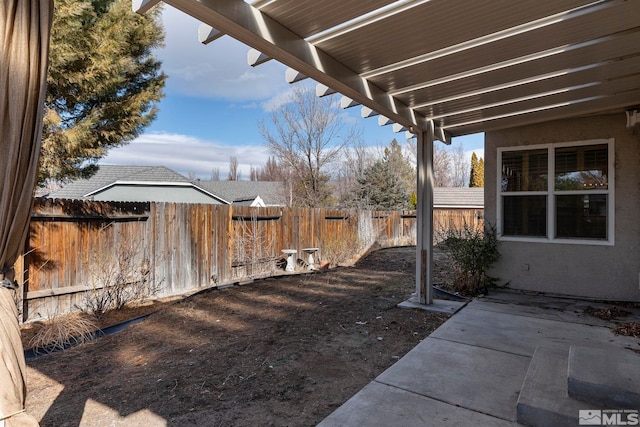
<point x="277" y="352"/>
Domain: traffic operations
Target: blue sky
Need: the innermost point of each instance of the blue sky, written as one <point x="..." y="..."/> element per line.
<point x="213" y="104"/>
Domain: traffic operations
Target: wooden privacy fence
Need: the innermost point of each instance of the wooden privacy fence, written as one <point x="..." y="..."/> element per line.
<point x="75" y="247"/>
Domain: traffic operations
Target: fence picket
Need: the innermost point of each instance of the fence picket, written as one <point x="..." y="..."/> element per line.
<point x="188" y="247"/>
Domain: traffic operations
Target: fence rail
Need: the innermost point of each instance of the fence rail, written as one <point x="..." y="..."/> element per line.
<point x="186" y="247"/>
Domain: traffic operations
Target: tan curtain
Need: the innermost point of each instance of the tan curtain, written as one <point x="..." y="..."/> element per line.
<point x="24" y="43"/>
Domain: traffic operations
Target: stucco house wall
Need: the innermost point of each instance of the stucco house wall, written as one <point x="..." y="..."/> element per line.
<point x="588" y="270"/>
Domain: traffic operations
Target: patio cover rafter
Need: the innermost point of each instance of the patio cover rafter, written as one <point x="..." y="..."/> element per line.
<point x="256" y="29"/>
<point x="416" y="61"/>
<point x="491" y="38"/>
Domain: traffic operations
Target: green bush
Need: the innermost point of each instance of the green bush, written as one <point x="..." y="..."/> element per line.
<point x="473" y="251"/>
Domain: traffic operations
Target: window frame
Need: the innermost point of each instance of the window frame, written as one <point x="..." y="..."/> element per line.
<point x="551" y="193"/>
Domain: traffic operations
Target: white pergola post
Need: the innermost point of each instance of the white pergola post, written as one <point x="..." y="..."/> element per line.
<point x="424" y="217"/>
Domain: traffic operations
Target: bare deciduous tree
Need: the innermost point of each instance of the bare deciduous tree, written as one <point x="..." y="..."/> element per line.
<point x="215" y="174"/>
<point x="459" y="167"/>
<point x="306" y="135"/>
<point x="355" y="160"/>
<point x="254" y="247"/>
<point x="234" y="172"/>
<point x="441" y="163"/>
<point x="271" y="171"/>
<point x="441" y="166"/>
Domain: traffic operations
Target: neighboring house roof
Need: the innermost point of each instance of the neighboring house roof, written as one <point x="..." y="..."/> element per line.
<point x="247" y="192"/>
<point x="256" y="202"/>
<point x="111" y="175"/>
<point x="445" y="197"/>
<point x="243" y="193"/>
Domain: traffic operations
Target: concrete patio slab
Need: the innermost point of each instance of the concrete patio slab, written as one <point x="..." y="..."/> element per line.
<point x="544" y="307"/>
<point x="551" y="301"/>
<point x="472" y="369"/>
<point x="440" y="369"/>
<point x="438" y="305"/>
<point x="608" y="377"/>
<point x="521" y="334"/>
<point x="568" y="314"/>
<point x="543" y="400"/>
<point x="379" y="405"/>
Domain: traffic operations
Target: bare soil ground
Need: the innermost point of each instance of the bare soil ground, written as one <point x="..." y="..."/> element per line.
<point x="278" y="352"/>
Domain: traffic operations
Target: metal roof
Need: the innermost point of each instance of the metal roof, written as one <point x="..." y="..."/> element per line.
<point x="461" y="66"/>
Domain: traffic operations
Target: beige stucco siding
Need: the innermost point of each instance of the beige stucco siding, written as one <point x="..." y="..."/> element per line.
<point x="608" y="272"/>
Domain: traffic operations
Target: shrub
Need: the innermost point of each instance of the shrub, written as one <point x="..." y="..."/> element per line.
<point x="473" y="252"/>
<point x="340" y="250"/>
<point x="60" y="332"/>
<point x="253" y="247"/>
<point x="118" y="275"/>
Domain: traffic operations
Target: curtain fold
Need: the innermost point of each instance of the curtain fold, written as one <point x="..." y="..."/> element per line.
<point x="24" y="43"/>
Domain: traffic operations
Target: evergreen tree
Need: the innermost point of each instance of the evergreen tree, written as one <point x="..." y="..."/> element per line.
<point x="103" y="83"/>
<point x="473" y="170"/>
<point x="314" y="187"/>
<point x="476" y="176"/>
<point x="381" y="188"/>
<point x="413" y="201"/>
<point x="401" y="165"/>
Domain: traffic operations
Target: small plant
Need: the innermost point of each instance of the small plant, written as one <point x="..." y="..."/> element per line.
<point x="474" y="252"/>
<point x="119" y="275"/>
<point x="60" y="332"/>
<point x="253" y="246"/>
<point x="338" y="250"/>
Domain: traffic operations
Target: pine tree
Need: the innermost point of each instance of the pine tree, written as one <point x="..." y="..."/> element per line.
<point x="103" y="83"/>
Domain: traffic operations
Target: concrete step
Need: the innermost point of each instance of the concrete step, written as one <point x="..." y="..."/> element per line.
<point x="543" y="399"/>
<point x="604" y="377"/>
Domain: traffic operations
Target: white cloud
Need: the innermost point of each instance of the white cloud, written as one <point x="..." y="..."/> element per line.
<point x="216" y="70"/>
<point x="278" y="100"/>
<point x="479" y="153"/>
<point x="186" y="154"/>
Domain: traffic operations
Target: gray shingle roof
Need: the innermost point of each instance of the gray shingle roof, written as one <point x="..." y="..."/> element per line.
<point x="444" y="197"/>
<point x="239" y="192"/>
<point x="272" y="193"/>
<point x="108" y="174"/>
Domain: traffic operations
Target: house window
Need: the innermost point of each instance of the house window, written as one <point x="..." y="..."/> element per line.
<point x="557" y="192"/>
